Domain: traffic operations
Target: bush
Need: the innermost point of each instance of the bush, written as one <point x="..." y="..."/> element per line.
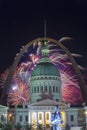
<point x="1" y="125"/>
<point x="28" y="126"/>
<point x="18" y="126"/>
<point x="7" y="127"/>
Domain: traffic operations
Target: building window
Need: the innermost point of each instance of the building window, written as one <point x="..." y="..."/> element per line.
<point x="38" y="89"/>
<point x="72" y="118"/>
<point x="2" y="117"/>
<point x="34" y="89"/>
<point x="26" y="118"/>
<point x="41" y="88"/>
<point x="20" y="118"/>
<point x="38" y="100"/>
<point x="49" y="88"/>
<point x="57" y="100"/>
<point x="46" y="88"/>
<point x="53" y="89"/>
<point x="45" y="77"/>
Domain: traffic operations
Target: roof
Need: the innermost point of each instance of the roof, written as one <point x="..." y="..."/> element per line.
<point x="48" y="102"/>
<point x="45" y="68"/>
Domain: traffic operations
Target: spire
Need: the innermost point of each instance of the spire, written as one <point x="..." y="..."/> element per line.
<point x="45" y="32"/>
<point x="45" y="50"/>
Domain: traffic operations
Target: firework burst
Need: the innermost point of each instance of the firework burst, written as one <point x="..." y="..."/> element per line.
<point x="18" y="94"/>
<point x="19" y="88"/>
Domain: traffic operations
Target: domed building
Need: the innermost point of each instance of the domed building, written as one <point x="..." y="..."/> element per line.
<point x="45" y="91"/>
<point x="45" y="82"/>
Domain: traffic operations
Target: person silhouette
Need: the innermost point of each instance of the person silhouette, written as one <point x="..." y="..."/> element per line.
<point x="56" y="119"/>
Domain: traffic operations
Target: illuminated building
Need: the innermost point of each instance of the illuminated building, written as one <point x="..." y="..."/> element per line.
<point x="45" y="93"/>
<point x="45" y="82"/>
<point x="45" y="90"/>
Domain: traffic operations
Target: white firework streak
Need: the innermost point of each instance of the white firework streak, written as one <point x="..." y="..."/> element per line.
<point x="76" y="55"/>
<point x="55" y="50"/>
<point x="61" y="56"/>
<point x="37" y="44"/>
<point x="51" y="45"/>
<point x="56" y="61"/>
<point x="73" y="54"/>
<point x="63" y="39"/>
<point x="39" y="47"/>
<point x="68" y="63"/>
<point x="26" y="64"/>
<point x="39" y="50"/>
<point x="68" y="80"/>
<point x="66" y="75"/>
<point x="59" y="50"/>
<point x="34" y="44"/>
<point x="81" y="67"/>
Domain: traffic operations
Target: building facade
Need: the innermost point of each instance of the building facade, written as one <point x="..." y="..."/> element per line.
<point x="45" y="93"/>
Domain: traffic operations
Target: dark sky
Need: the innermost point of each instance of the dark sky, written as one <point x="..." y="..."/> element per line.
<point x="21" y="22"/>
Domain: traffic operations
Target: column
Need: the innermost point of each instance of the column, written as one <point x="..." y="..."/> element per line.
<point x="36" y="118"/>
<point x="44" y="117"/>
<point x="50" y="117"/>
<point x="29" y="117"/>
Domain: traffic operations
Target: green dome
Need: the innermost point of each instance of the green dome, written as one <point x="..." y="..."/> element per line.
<point x="45" y="68"/>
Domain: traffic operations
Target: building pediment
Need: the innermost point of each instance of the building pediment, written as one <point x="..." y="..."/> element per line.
<point x="48" y="102"/>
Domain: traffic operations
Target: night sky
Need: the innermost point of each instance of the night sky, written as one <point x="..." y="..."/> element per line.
<point x="21" y="22"/>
